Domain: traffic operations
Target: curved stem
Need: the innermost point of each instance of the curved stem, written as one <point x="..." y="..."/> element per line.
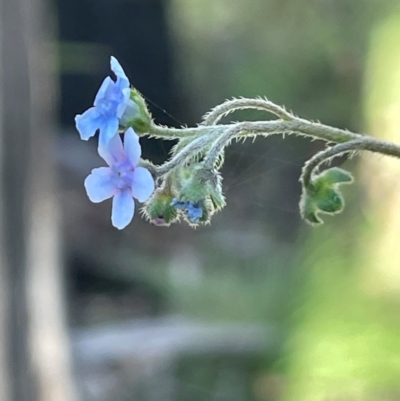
<point x="149" y="166"/>
<point x="203" y="142"/>
<point x="168" y="133"/>
<point x="314" y="130"/>
<point x="221" y="142"/>
<point x="296" y="127"/>
<point x="230" y="106"/>
<point x="365" y="143"/>
<point x="183" y="155"/>
<point x="205" y="138"/>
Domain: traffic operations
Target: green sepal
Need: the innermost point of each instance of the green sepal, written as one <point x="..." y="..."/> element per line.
<point x="322" y="195"/>
<point x="192" y="184"/>
<point x="217" y="199"/>
<point x="335" y="175"/>
<point x="208" y="211"/>
<point x="158" y="208"/>
<point x="219" y="162"/>
<point x="142" y="122"/>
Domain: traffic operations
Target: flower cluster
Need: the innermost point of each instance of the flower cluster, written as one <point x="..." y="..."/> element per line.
<point x="189" y="185"/>
<point x="123" y="179"/>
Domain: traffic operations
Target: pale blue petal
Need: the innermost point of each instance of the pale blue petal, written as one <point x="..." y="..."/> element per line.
<point x="122" y="79"/>
<point x="99" y="184"/>
<point x="88" y="123"/>
<point x="125" y="103"/>
<point x="130" y="110"/>
<point x="108" y="129"/>
<point x="142" y="184"/>
<point x="179" y="204"/>
<point x="123" y="208"/>
<point x="194" y="213"/>
<point x="113" y="152"/>
<point x="104" y="88"/>
<point x="133" y="150"/>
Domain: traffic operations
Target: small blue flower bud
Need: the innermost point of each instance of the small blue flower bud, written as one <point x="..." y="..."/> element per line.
<point x="200" y="193"/>
<point x="193" y="211"/>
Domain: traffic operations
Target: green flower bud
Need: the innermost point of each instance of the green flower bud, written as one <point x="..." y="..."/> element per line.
<point x="141" y="120"/>
<point x="198" y="189"/>
<point x="323" y="195"/>
<point x="158" y="208"/>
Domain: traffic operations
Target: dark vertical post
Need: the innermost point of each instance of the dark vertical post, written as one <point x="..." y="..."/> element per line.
<point x="34" y="364"/>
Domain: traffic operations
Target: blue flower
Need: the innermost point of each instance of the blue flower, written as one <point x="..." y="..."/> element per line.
<point x="193" y="211"/>
<point x="123" y="179"/>
<point x="112" y="106"/>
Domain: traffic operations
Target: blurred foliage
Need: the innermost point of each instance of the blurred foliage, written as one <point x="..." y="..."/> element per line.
<point x="343" y="343"/>
<point x="237" y="289"/>
<point x="304" y="53"/>
<point x="346" y="345"/>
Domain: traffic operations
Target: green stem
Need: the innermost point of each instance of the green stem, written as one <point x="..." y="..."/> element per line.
<point x="168" y="133"/>
<point x="215" y="138"/>
<point x="365" y="143"/>
<point x="197" y="145"/>
<point x="230" y="106"/>
<point x="296" y="127"/>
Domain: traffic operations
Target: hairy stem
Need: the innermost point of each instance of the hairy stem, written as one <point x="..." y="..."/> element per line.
<point x="296" y="127"/>
<point x="159" y="131"/>
<point x="364" y="143"/>
<point x="220" y="144"/>
<point x="214" y="138"/>
<point x="230" y="106"/>
<point x="183" y="155"/>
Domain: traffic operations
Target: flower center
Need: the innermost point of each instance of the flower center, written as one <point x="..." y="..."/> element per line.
<point x="111" y="100"/>
<point x="123" y="174"/>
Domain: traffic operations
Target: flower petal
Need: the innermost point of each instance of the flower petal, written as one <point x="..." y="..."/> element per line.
<point x="123" y="208"/>
<point x="142" y="184"/>
<point x="99" y="184"/>
<point x="122" y="79"/>
<point x="113" y="152"/>
<point x="88" y="123"/>
<point x="133" y="150"/>
<point x="194" y="213"/>
<point x="179" y="204"/>
<point x="104" y="89"/>
<point x="108" y="129"/>
<point x="127" y="108"/>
